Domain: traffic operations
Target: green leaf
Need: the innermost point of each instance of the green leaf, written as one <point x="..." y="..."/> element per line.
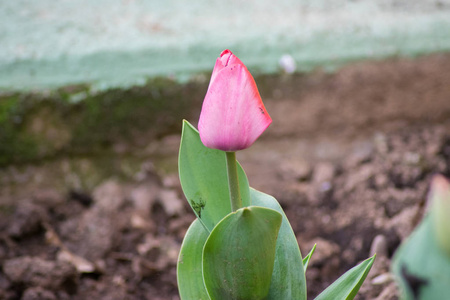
<point x="421" y="267"/>
<point x="308" y="257"/>
<point x="288" y="278"/>
<point x="239" y="254"/>
<point x="347" y="286"/>
<point x="204" y="180"/>
<point x="189" y="266"/>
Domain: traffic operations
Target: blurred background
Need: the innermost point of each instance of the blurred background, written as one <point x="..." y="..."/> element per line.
<point x="93" y="94"/>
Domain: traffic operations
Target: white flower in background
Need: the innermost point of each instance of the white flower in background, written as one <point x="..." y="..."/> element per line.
<point x="287" y="63"/>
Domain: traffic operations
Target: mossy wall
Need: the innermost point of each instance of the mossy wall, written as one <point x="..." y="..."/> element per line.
<point x="37" y="126"/>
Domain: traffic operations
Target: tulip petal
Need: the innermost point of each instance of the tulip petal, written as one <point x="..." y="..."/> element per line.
<point x="226" y="58"/>
<point x="233" y="115"/>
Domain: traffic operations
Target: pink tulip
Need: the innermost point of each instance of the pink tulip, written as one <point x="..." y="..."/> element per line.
<point x="233" y="115"/>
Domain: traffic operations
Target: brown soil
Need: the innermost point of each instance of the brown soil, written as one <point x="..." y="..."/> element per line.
<point x="349" y="156"/>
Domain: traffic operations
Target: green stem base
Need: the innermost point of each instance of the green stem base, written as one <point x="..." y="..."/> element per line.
<point x="233" y="181"/>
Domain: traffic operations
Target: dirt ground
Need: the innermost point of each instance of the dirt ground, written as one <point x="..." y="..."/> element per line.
<point x="349" y="156"/>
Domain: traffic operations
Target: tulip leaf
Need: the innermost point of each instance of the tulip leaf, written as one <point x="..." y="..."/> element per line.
<point x="189" y="266"/>
<point x="308" y="257"/>
<point x="347" y="286"/>
<point x="238" y="257"/>
<point x="204" y="179"/>
<point x="288" y="278"/>
<point x="421" y="266"/>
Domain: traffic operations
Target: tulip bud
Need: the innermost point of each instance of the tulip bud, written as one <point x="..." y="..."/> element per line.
<point x="233" y="115"/>
<point x="440" y="209"/>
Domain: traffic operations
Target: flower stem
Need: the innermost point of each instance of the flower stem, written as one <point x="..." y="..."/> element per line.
<point x="233" y="181"/>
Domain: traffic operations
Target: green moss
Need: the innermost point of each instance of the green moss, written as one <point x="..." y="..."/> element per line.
<point x="39" y="126"/>
<point x="133" y="116"/>
<point x="14" y="146"/>
<point x="7" y="105"/>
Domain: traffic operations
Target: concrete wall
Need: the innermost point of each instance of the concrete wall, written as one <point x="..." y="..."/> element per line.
<point x="47" y="44"/>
